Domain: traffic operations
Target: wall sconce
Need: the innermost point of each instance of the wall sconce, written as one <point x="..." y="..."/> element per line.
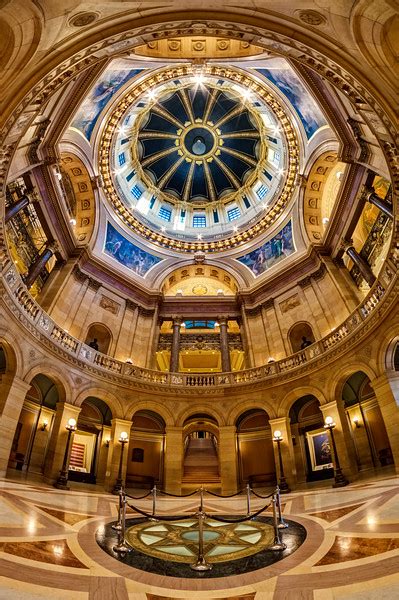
<point x="107" y="442"/>
<point x="44" y="425"/>
<point x="356" y="422"/>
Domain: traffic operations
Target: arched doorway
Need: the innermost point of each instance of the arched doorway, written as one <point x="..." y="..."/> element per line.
<point x="34" y="426"/>
<point x="90" y="438"/>
<point x="311" y="441"/>
<point x="146" y="450"/>
<point x="255" y="448"/>
<point x="201" y="455"/>
<point x="366" y="423"/>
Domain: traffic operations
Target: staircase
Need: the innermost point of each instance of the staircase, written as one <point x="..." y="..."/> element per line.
<point x="201" y="463"/>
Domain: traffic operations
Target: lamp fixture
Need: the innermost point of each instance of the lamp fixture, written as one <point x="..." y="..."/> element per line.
<point x="329" y="423"/>
<point x="277" y="436"/>
<point x="71" y="425"/>
<point x="107" y="442"/>
<point x="44" y="425"/>
<point x="356" y="422"/>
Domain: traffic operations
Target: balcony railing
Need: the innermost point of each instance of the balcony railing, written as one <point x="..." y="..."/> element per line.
<point x="24" y="304"/>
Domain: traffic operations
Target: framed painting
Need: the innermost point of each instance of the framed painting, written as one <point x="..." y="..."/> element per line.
<point x="319" y="449"/>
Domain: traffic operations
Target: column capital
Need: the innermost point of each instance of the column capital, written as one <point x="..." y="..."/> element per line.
<point x="121" y="423"/>
<point x="386" y="379"/>
<point x="227" y="428"/>
<point x="17" y="384"/>
<point x="173" y="429"/>
<point x="68" y="406"/>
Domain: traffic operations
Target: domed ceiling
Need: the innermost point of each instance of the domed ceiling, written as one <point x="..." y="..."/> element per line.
<point x="199" y="159"/>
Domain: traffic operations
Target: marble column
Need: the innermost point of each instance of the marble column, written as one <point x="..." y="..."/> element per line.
<point x="12" y="395"/>
<point x="58" y="439"/>
<point x="224" y="345"/>
<point x="228" y="459"/>
<point x="175" y="350"/>
<point x="342" y="435"/>
<point x="173" y="462"/>
<point x="15" y="208"/>
<point x="386" y="388"/>
<point x="114" y="452"/>
<point x="287" y="449"/>
<point x="384" y="206"/>
<point x="39" y="264"/>
<point x="361" y="264"/>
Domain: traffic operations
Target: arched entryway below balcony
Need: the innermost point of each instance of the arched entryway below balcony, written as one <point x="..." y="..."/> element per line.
<point x="311" y="442"/>
<point x="201" y="454"/>
<point x="367" y="426"/>
<point x="145" y="460"/>
<point x="89" y="448"/>
<point x="34" y="426"/>
<point x="256" y="464"/>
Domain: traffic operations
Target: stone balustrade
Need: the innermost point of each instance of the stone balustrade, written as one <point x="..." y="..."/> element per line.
<point x="15" y="291"/>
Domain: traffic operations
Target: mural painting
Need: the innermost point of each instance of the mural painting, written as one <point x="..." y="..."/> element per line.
<point x="113" y="78"/>
<point x="287" y="81"/>
<point x="272" y="252"/>
<point x="137" y="260"/>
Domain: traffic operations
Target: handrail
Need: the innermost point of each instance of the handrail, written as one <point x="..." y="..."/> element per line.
<point x="77" y="349"/>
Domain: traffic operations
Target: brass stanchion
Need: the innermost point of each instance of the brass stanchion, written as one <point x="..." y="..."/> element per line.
<point x="122" y="546"/>
<point x="277" y="544"/>
<point x="118" y="525"/>
<point x="201" y="507"/>
<point x="248" y="500"/>
<point x="201" y="564"/>
<point x="282" y="524"/>
<point x="154" y="503"/>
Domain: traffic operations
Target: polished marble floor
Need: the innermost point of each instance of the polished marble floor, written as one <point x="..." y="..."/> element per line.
<point x="48" y="547"/>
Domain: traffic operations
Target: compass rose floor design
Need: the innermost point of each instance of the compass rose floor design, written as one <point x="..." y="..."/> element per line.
<point x="48" y="547"/>
<point x="169" y="547"/>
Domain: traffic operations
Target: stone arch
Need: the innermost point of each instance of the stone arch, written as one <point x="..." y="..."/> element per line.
<point x="256" y="462"/>
<point x="243" y="407"/>
<point x="199" y="408"/>
<point x="313" y="195"/>
<point x="293" y="395"/>
<point x="11" y="357"/>
<point x="156" y="407"/>
<point x="81" y="198"/>
<point x="337" y="382"/>
<point x="63" y="384"/>
<point x="110" y="399"/>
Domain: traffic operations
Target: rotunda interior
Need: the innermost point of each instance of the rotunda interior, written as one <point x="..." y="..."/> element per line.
<point x="198" y="247"/>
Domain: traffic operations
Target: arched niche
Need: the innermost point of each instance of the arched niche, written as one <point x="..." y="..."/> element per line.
<point x="311" y="442"/>
<point x="368" y="429"/>
<point x="300" y="336"/>
<point x="146" y="450"/>
<point x="99" y="335"/>
<point x="255" y="448"/>
<point x="199" y="280"/>
<point x="89" y="445"/>
<point x="33" y="431"/>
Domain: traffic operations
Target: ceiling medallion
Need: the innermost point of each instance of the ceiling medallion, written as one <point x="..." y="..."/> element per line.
<point x="217" y="171"/>
<point x="83" y="19"/>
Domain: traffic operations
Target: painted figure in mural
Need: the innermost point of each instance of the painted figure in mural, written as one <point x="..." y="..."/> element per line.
<point x="266" y="256"/>
<point x="129" y="255"/>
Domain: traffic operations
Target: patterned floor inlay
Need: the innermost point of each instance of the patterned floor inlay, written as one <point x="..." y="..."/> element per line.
<point x="66" y="517"/>
<point x="53" y="552"/>
<point x="168" y="548"/>
<point x="48" y="547"/>
<point x="333" y="515"/>
<point x="352" y="548"/>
